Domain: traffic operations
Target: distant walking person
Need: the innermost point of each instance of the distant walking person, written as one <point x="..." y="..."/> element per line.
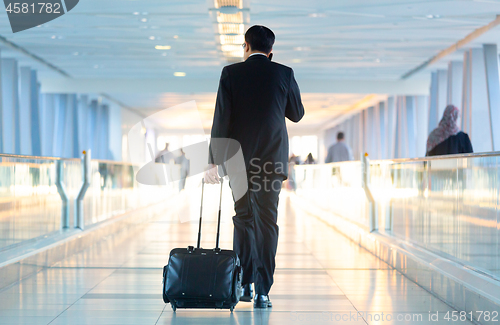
<point x="447" y="139"/>
<point x="339" y="151"/>
<point x="184" y="162"/>
<point x="310" y="159"/>
<point x="164" y="156"/>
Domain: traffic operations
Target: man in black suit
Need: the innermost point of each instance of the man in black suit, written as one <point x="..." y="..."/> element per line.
<point x="253" y="100"/>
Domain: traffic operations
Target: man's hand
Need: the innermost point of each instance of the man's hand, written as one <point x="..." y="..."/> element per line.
<point x="211" y="176"/>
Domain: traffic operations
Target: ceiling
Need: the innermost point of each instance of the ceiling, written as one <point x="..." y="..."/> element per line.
<point x="342" y="43"/>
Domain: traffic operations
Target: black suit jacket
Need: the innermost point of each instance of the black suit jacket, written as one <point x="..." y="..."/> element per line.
<point x="253" y="100"/>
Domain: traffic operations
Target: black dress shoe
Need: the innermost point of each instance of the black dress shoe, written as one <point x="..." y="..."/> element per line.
<point x="246" y="293"/>
<point x="262" y="301"/>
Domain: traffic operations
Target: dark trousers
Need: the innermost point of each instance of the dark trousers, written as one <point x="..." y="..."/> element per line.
<point x="255" y="230"/>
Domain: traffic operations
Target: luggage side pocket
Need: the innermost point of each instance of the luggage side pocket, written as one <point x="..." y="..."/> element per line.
<point x="165" y="273"/>
<point x="237" y="284"/>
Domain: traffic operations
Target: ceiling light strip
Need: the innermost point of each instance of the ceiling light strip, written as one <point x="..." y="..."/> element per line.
<point x="229" y="18"/>
<point x="467" y="39"/>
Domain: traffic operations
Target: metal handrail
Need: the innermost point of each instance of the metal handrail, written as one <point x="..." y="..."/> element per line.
<point x="125" y="163"/>
<point x="8" y="155"/>
<point x="403" y="160"/>
<point x="444" y="157"/>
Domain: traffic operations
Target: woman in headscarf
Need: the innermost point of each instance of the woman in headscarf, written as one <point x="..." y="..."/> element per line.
<point x="447" y="139"/>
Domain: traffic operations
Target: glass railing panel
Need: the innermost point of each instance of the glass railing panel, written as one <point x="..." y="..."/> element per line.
<point x="336" y="188"/>
<point x="448" y="205"/>
<point x="30" y="205"/>
<point x="476" y="231"/>
<point x="114" y="191"/>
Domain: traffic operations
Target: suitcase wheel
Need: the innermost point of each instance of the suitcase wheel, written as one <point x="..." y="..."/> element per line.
<point x="174" y="307"/>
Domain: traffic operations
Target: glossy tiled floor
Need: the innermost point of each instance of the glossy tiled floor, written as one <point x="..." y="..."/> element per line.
<point x="321" y="278"/>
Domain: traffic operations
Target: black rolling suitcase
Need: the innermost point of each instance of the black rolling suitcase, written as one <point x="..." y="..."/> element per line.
<point x="202" y="278"/>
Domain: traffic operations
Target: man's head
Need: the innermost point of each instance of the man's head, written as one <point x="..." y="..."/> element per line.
<point x="258" y="39"/>
<point x="340" y="136"/>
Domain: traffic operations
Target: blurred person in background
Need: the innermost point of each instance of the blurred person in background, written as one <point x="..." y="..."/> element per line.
<point x="184" y="162"/>
<point x="164" y="156"/>
<point x="310" y="159"/>
<point x="340" y="151"/>
<point x="447" y="139"/>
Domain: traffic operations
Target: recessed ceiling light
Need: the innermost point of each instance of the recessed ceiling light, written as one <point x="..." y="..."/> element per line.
<point x="75" y="53"/>
<point x="179" y="74"/>
<point x="53" y="37"/>
<point x="433" y="16"/>
<point x="96" y="66"/>
<point x="144" y="20"/>
<point x="377" y="60"/>
<point x="136" y="13"/>
<point x="163" y="47"/>
<point x="317" y="15"/>
<point x="164" y="54"/>
<point x="152" y="38"/>
<point x="176" y="36"/>
<point x="296" y="60"/>
<point x="144" y="13"/>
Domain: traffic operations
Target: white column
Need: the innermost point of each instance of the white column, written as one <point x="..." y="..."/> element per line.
<point x="439" y="96"/>
<point x="47" y="124"/>
<point x="104" y="150"/>
<point x="421" y="114"/>
<point x="1" y="113"/>
<point x="493" y="88"/>
<point x="442" y="92"/>
<point x="411" y="127"/>
<point x="356" y="150"/>
<point x="433" y="104"/>
<point x="351" y="129"/>
<point x="25" y="110"/>
<point x="382" y="130"/>
<point x="455" y="83"/>
<point x="480" y="132"/>
<point x="83" y="120"/>
<point x="10" y="106"/>
<point x="466" y="88"/>
<point x="70" y="142"/>
<point x="371" y="146"/>
<point x="401" y="136"/>
<point x="365" y="135"/>
<point x="92" y="126"/>
<point x="391" y="128"/>
<point x="60" y="109"/>
<point x="36" y="146"/>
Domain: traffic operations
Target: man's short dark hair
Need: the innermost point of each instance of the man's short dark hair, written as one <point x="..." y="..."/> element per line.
<point x="260" y="38"/>
<point x="340" y="136"/>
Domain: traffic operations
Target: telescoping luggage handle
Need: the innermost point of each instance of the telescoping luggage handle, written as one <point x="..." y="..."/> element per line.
<point x="201" y="213"/>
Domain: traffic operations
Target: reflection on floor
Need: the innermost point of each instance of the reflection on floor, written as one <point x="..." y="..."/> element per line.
<point x="321" y="278"/>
